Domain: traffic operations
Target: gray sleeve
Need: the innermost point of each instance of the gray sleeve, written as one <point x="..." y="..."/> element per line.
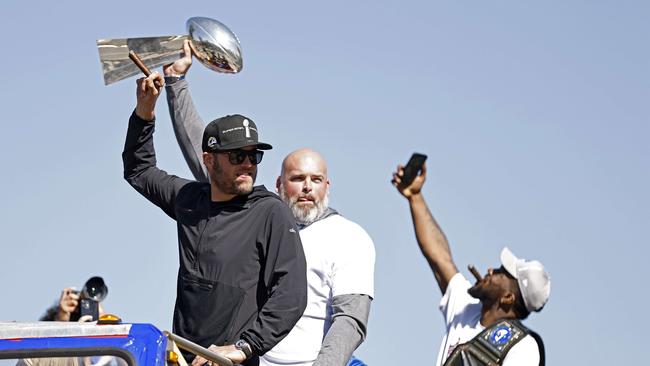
<point x="348" y="330"/>
<point x="188" y="127"/>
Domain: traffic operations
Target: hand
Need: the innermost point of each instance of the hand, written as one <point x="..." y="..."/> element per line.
<point x="235" y="355"/>
<point x="85" y="319"/>
<point x="67" y="304"/>
<point x="147" y="93"/>
<point x="182" y="65"/>
<point x="412" y="189"/>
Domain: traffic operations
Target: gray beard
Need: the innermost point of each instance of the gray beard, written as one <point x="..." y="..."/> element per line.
<point x="305" y="215"/>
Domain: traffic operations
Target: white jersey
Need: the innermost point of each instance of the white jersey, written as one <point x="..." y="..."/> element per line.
<point x="462" y="315"/>
<point x="340" y="261"/>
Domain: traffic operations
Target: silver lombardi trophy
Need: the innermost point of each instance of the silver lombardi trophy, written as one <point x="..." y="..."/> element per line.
<point x="213" y="44"/>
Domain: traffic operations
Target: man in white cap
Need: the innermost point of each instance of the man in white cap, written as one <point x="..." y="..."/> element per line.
<point x="482" y="320"/>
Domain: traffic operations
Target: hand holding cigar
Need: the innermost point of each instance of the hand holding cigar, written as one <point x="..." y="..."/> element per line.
<point x="138" y="62"/>
<point x="475" y="273"/>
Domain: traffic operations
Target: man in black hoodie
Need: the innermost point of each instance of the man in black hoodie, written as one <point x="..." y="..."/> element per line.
<point x="241" y="282"/>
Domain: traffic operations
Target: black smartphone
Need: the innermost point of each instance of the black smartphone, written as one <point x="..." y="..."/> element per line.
<point x="412" y="168"/>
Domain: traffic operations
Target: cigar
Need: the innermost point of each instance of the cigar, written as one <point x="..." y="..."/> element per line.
<point x="138" y="62"/>
<point x="475" y="273"/>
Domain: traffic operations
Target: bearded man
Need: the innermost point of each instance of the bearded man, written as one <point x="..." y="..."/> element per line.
<point x="340" y="266"/>
<point x="483" y="321"/>
<point x="241" y="279"/>
<point x="340" y="255"/>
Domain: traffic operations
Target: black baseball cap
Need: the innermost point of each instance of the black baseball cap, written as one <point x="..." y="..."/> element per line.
<point x="231" y="132"/>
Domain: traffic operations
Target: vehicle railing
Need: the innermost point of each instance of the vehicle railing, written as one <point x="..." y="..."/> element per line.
<point x="190" y="346"/>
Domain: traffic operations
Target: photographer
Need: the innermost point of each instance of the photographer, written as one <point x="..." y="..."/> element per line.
<point x="77" y="306"/>
<point x="68" y="308"/>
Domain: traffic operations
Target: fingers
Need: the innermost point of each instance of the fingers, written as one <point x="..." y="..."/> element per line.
<point x="140" y="86"/>
<point x="396" y="179"/>
<point x="189" y="43"/>
<point x="158" y="81"/>
<point x="182" y="65"/>
<point x="151" y="85"/>
<point x="145" y="83"/>
<point x="69" y="293"/>
<point x="199" y="361"/>
<point x="147" y="91"/>
<point x="423" y="172"/>
<point x="397" y="176"/>
<point x="69" y="300"/>
<point x="187" y="50"/>
<point x="85" y="318"/>
<point x="154" y="82"/>
<point x="68" y="304"/>
<point x="414" y="187"/>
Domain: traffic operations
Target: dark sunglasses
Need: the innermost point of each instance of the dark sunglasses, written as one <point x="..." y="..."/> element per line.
<point x="236" y="157"/>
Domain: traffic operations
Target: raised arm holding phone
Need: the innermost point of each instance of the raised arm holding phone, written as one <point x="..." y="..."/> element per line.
<point x="432" y="241"/>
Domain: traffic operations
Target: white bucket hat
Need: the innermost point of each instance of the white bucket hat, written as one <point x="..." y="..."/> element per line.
<point x="534" y="281"/>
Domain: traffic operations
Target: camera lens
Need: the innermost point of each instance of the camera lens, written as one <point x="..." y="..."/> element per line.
<point x="92" y="292"/>
<point x="95" y="289"/>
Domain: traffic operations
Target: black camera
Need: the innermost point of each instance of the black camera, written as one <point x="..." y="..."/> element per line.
<point x="91" y="294"/>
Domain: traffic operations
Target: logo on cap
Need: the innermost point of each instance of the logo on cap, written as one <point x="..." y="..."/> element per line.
<point x="212" y="141"/>
<point x="248" y="130"/>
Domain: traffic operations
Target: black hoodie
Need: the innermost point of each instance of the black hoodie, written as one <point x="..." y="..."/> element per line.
<point x="242" y="267"/>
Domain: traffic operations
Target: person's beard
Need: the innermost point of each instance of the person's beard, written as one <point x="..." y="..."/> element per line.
<point x="476" y="291"/>
<point x="486" y="294"/>
<point x="308" y="213"/>
<point x="227" y="184"/>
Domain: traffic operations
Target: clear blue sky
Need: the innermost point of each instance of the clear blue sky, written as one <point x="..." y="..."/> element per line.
<point x="535" y="117"/>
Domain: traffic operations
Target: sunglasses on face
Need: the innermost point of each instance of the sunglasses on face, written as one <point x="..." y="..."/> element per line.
<point x="236" y="157"/>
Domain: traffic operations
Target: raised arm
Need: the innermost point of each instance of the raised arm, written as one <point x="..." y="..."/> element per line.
<point x="432" y="241"/>
<point x="188" y="125"/>
<point x="139" y="156"/>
